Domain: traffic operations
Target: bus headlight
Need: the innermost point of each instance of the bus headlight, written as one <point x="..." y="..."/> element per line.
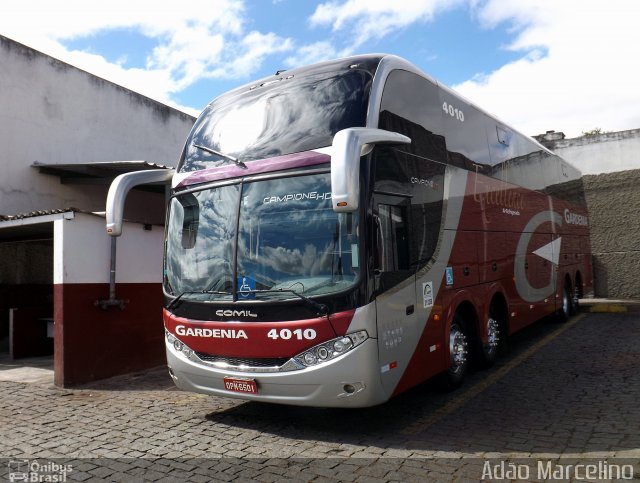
<point x="310" y="358"/>
<point x="331" y="349"/>
<point x="178" y="345"/>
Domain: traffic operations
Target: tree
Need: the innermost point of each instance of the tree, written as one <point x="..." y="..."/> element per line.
<point x="594" y="132"/>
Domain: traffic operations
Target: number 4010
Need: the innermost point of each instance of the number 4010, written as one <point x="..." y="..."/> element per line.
<point x="453" y="111"/>
<point x="287" y="334"/>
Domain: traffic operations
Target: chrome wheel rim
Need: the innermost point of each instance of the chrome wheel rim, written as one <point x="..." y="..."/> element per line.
<point x="493" y="334"/>
<point x="457" y="349"/>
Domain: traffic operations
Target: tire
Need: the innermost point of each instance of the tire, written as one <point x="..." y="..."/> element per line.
<point x="577" y="295"/>
<point x="567" y="307"/>
<point x="458" y="343"/>
<point x="488" y="352"/>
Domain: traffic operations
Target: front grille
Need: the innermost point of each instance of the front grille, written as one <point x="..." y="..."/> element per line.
<point x="238" y="361"/>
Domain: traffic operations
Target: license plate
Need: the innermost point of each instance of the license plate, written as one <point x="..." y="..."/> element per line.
<point x="247" y="386"/>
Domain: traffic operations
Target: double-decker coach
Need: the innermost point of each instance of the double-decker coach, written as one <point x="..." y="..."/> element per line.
<point x="341" y="232"/>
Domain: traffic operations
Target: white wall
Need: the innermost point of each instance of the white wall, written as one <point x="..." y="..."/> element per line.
<point x="604" y="153"/>
<point x="54" y="113"/>
<point x="82" y="252"/>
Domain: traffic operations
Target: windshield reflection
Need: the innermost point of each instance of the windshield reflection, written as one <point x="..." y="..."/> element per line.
<point x="289" y="239"/>
<point x="291" y="115"/>
<point x="200" y="237"/>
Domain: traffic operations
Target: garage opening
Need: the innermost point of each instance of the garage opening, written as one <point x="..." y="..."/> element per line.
<point x="26" y="292"/>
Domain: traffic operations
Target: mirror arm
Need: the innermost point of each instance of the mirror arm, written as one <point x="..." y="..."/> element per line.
<point x="348" y="147"/>
<point x="119" y="189"/>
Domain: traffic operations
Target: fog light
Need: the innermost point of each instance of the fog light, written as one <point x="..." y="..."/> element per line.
<point x="350" y="389"/>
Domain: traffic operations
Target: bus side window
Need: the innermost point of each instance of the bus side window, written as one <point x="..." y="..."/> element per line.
<point x="419" y="183"/>
<point x="392" y="254"/>
<point x="410" y="105"/>
<point x="393" y="234"/>
<point x="190" y="220"/>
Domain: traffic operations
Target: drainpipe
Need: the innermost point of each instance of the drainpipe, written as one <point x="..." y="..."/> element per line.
<point x="115" y="208"/>
<point x="112" y="301"/>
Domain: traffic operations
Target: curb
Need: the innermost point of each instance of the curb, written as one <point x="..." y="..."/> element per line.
<point x="608" y="309"/>
<point x="605" y="306"/>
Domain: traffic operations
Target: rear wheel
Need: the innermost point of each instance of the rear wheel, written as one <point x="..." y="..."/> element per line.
<point x="490" y="350"/>
<point x="458" y="354"/>
<point x="577" y="294"/>
<point x="566" y="309"/>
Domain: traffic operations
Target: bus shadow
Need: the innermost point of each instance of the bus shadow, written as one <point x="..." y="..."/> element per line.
<point x="473" y="418"/>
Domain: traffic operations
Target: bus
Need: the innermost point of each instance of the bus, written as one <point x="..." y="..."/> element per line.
<point x="339" y="233"/>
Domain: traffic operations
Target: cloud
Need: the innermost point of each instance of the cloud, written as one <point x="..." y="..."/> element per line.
<point x="579" y="67"/>
<point x="374" y="19"/>
<point x="195" y="39"/>
<point x="249" y="54"/>
<point x="312" y="53"/>
<point x="42" y="20"/>
<point x="362" y="21"/>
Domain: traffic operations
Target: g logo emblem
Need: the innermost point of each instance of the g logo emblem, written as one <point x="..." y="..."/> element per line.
<point x="524" y="288"/>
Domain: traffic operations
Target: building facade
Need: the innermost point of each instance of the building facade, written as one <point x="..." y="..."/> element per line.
<point x="64" y="135"/>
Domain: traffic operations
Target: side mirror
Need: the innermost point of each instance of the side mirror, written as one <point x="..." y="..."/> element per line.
<point x="120" y="188"/>
<point x="348" y="146"/>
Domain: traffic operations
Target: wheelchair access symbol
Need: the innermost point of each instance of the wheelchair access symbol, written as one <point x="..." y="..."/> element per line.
<point x="449" y="276"/>
<point x="246" y="287"/>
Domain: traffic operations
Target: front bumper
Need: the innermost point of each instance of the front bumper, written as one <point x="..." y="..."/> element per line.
<point x="320" y="386"/>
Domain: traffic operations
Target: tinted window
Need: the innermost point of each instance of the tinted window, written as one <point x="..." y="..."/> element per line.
<point x="516" y="159"/>
<point x="393" y="238"/>
<point x="392" y="227"/>
<point x="410" y="106"/>
<point x="464" y="128"/>
<point x="200" y="240"/>
<point x="422" y="183"/>
<point x="286" y="116"/>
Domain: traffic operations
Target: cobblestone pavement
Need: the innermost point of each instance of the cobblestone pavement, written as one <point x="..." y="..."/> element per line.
<point x="565" y="394"/>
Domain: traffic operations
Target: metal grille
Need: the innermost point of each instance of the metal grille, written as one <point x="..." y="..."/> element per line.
<point x="238" y="361"/>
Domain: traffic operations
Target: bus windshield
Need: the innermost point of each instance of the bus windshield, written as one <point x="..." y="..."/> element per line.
<point x="292" y="114"/>
<point x="287" y="239"/>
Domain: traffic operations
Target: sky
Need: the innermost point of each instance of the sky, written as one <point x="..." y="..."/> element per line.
<point x="539" y="65"/>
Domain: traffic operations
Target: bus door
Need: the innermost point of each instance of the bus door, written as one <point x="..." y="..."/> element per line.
<point x="394" y="285"/>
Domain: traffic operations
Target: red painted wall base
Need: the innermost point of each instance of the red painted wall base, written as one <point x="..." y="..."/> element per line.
<point x="91" y="343"/>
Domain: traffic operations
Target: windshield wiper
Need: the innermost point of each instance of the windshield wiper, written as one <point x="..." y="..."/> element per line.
<point x="321" y="309"/>
<point x="222" y="155"/>
<point x="177" y="300"/>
